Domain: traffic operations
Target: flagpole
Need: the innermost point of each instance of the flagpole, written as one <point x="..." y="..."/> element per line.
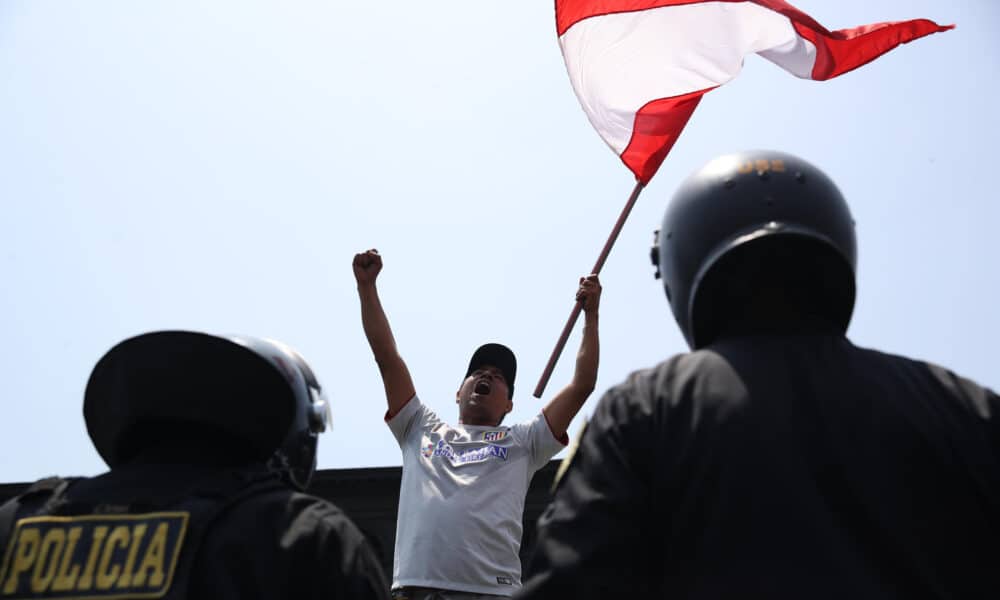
<point x="544" y="380"/>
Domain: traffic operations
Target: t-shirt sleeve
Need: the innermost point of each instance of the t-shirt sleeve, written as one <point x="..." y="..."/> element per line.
<point x="411" y="418"/>
<point x="542" y="443"/>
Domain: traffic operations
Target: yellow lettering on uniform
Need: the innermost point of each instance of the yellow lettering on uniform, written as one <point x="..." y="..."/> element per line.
<point x="762" y="166"/>
<point x="153" y="559"/>
<point x="137" y="532"/>
<point x="24" y="556"/>
<point x="87" y="579"/>
<point x="48" y="559"/>
<point x="778" y="166"/>
<point x="66" y="577"/>
<point x="106" y="577"/>
<point x="745" y="168"/>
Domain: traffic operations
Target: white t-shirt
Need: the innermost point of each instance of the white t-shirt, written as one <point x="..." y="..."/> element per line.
<point x="461" y="500"/>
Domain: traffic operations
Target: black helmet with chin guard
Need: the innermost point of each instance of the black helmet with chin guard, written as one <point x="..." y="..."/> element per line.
<point x="259" y="394"/>
<point x="749" y="218"/>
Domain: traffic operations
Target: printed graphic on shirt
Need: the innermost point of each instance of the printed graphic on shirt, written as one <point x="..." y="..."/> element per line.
<point x="474" y="455"/>
<point x="93" y="556"/>
<point x="427" y="450"/>
<point x="494" y="436"/>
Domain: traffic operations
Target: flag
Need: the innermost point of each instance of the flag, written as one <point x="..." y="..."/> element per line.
<point x="640" y="67"/>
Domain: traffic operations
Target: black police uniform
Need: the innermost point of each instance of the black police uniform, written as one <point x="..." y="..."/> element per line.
<point x="777" y="460"/>
<point x="780" y="467"/>
<point x="172" y="530"/>
<point x="211" y="442"/>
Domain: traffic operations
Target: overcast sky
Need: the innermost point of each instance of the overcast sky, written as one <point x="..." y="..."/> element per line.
<point x="215" y="166"/>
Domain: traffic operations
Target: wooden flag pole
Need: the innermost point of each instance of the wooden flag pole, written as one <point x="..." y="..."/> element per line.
<point x="544" y="380"/>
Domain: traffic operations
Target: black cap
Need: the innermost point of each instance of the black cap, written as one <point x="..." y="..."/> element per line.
<point x="499" y="356"/>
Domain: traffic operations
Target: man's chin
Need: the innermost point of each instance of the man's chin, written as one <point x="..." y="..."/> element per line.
<point x="476" y="414"/>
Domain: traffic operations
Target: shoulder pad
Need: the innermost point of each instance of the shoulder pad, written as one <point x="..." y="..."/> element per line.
<point x="570" y="454"/>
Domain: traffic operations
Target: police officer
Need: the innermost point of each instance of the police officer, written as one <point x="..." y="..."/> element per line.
<point x="210" y="442"/>
<point x="776" y="459"/>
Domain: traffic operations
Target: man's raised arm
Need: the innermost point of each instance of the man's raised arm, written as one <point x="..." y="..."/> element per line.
<point x="564" y="406"/>
<point x="395" y="376"/>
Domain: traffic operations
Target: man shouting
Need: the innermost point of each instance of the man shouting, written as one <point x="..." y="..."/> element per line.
<point x="463" y="487"/>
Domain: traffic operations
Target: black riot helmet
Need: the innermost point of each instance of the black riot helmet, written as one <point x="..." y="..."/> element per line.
<point x="166" y="386"/>
<point x="752" y="219"/>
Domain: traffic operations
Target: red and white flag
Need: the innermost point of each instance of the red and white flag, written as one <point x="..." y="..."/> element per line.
<point x="640" y="67"/>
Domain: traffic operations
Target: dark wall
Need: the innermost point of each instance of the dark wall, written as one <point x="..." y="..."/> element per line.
<point x="371" y="497"/>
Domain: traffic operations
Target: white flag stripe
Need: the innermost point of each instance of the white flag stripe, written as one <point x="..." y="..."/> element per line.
<point x="619" y="62"/>
<point x="798" y="57"/>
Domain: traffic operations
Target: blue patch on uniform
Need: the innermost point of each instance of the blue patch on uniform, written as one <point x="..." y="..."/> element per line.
<point x="93" y="556"/>
<point x="494" y="436"/>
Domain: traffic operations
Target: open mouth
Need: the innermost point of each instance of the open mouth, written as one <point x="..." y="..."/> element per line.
<point x="482" y="387"/>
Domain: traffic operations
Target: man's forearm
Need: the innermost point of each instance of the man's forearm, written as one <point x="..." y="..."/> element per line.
<point x="376" y="325"/>
<point x="564" y="406"/>
<point x="559" y="412"/>
<point x="587" y="358"/>
<point x="395" y="375"/>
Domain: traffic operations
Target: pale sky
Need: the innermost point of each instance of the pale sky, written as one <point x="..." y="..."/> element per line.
<point x="214" y="166"/>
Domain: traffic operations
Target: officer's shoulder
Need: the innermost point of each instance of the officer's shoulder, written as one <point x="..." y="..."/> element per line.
<point x="310" y="512"/>
<point x="292" y="513"/>
<point x="41" y="489"/>
<point x="48" y="485"/>
<point x="293" y="502"/>
<point x="316" y="522"/>
<point x="676" y="371"/>
<point x="936" y="378"/>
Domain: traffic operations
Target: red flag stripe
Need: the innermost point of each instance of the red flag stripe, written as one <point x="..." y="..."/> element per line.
<point x="655" y="130"/>
<point x="847" y="49"/>
<point x="841" y="51"/>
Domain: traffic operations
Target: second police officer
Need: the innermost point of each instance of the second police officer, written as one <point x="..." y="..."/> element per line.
<point x="777" y="459"/>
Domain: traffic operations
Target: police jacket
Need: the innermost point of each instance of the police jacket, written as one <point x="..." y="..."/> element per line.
<point x="179" y="531"/>
<point x="780" y="467"/>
